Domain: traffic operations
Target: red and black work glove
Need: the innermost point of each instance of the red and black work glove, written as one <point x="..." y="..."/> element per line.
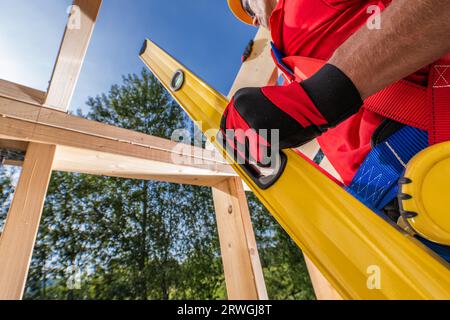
<point x="300" y="112"/>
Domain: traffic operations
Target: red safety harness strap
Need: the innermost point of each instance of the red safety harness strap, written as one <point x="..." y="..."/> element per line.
<point x="427" y="109"/>
<point x="440" y="101"/>
<point x="404" y="102"/>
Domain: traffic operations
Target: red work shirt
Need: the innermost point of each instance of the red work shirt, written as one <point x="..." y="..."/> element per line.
<point x="315" y="29"/>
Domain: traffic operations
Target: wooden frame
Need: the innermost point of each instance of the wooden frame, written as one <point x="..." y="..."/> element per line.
<point x="37" y="122"/>
<point x="117" y="152"/>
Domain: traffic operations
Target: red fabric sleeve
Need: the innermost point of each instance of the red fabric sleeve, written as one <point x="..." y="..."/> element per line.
<point x="344" y="4"/>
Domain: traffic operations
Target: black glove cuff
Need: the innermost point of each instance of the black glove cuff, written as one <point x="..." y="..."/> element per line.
<point x="333" y="93"/>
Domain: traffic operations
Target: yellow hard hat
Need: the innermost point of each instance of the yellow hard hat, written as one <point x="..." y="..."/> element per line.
<point x="424" y="197"/>
<point x="239" y="12"/>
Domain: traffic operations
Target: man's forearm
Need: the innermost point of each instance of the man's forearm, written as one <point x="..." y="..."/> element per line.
<point x="413" y="34"/>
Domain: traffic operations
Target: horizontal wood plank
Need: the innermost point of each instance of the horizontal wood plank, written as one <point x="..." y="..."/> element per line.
<point x="19" y="92"/>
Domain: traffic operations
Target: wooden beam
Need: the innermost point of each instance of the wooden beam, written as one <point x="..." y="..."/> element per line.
<point x="243" y="272"/>
<point x="259" y="69"/>
<point x="13" y="145"/>
<point x="107" y="164"/>
<point x="13" y="163"/>
<point x="19" y="92"/>
<point x="78" y="152"/>
<point x="72" y="53"/>
<point x="91" y="147"/>
<point x="22" y="223"/>
<point x="15" y="107"/>
<point x="68" y="159"/>
<point x="323" y="289"/>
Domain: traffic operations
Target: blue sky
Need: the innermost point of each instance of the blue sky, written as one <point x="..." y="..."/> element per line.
<point x="202" y="34"/>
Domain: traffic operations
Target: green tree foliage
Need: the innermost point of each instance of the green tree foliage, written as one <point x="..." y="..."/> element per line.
<point x="110" y="238"/>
